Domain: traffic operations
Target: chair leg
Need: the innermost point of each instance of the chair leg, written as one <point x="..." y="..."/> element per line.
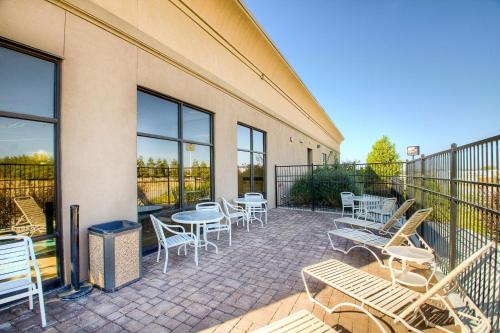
<point x="229" y="235"/>
<point x="342" y="211"/>
<point x="218" y="235"/>
<point x="166" y="261"/>
<point x="185" y="250"/>
<point x="159" y="251"/>
<point x="42" y="308"/>
<point x="30" y="298"/>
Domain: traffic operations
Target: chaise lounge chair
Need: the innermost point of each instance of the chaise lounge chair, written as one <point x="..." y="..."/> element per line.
<point x="304" y="322"/>
<point x="400" y="303"/>
<point x="365" y="239"/>
<point x="382" y="228"/>
<point x="33" y="220"/>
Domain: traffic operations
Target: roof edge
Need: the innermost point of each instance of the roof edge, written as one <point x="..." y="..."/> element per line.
<point x="292" y="70"/>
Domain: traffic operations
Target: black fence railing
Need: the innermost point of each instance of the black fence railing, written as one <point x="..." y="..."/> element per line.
<point x="26" y="179"/>
<point x="160" y="185"/>
<point x="461" y="184"/>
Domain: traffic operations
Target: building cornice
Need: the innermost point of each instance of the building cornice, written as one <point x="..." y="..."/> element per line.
<point x="109" y="22"/>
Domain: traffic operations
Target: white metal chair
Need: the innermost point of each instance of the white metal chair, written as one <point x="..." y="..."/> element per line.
<point x="180" y="238"/>
<point x="234" y="212"/>
<point x="366" y="239"/>
<point x="400" y="303"/>
<point x="16" y="257"/>
<point x="385" y="209"/>
<point x="347" y="199"/>
<point x="381" y="228"/>
<point x="257" y="208"/>
<point x="223" y="225"/>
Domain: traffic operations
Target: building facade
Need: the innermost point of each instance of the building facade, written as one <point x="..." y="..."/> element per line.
<point x="116" y="105"/>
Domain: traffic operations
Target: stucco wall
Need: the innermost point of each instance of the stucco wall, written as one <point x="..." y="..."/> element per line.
<point x="101" y="71"/>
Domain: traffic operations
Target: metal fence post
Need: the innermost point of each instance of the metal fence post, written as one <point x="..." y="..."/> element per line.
<point x="453" y="206"/>
<point x="313" y="204"/>
<point x="276" y="185"/>
<point x="422" y="180"/>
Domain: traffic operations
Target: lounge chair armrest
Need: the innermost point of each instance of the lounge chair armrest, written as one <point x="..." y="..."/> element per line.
<point x="360" y="308"/>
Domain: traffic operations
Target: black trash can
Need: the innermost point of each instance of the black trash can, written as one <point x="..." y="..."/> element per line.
<point x="115" y="254"/>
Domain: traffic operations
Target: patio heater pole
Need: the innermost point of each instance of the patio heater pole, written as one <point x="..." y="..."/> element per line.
<point x="77" y="290"/>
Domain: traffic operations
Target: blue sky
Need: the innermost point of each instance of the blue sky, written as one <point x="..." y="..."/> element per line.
<point x="423" y="72"/>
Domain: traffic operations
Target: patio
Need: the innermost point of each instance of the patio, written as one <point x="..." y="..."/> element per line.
<point x="246" y="286"/>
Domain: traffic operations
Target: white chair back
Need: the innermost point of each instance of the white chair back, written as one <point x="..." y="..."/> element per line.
<point x="388" y="205"/>
<point x="225" y="208"/>
<point x="15" y="253"/>
<point x="254" y="195"/>
<point x="347" y="198"/>
<point x="209" y="206"/>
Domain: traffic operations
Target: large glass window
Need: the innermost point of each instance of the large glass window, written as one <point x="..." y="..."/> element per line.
<point x="251" y="160"/>
<point x="174" y="158"/>
<point x="28" y="128"/>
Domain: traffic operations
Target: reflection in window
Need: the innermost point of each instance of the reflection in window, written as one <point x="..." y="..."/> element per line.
<point x="243" y="133"/>
<point x="196" y="125"/>
<point x="251" y="160"/>
<point x="244" y="172"/>
<point x="161" y="151"/>
<point x="27" y="154"/>
<point x="26" y="84"/>
<point x="196" y="173"/>
<point x="156" y="115"/>
<point x="157" y="172"/>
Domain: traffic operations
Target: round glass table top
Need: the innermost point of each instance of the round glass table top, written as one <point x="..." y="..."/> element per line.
<point x="196" y="216"/>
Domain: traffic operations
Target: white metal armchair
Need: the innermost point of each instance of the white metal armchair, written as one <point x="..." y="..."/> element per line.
<point x="180" y="238"/>
<point x="16" y="256"/>
<point x="385" y="209"/>
<point x="347" y="199"/>
<point x="223" y="225"/>
<point x="234" y="212"/>
<point x="257" y="208"/>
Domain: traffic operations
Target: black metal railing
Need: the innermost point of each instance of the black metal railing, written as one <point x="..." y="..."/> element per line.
<point x="26" y="179"/>
<point x="160" y="185"/>
<point x="461" y="184"/>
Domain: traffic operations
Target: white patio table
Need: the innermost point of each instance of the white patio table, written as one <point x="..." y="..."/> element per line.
<point x="410" y="254"/>
<point x="248" y="202"/>
<point x="197" y="219"/>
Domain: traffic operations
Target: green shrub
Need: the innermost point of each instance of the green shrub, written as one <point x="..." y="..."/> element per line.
<point x="324" y="186"/>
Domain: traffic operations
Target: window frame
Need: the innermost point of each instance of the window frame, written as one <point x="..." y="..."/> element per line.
<point x="252" y="152"/>
<point x="181" y="141"/>
<point x="54" y="120"/>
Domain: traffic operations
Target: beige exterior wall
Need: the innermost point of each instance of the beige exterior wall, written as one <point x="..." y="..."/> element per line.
<point x="110" y="47"/>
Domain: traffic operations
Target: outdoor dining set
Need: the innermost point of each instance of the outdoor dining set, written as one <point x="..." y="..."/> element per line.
<point x="375" y="224"/>
<point x="208" y="217"/>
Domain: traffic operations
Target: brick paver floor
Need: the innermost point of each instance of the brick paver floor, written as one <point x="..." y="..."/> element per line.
<point x="245" y="286"/>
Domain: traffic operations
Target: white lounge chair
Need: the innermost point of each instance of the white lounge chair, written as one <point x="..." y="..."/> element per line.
<point x="381" y="228"/>
<point x="304" y="322"/>
<point x="223" y="225"/>
<point x="180" y="238"/>
<point x="33" y="220"/>
<point x="16" y="257"/>
<point x="397" y="302"/>
<point x="366" y="239"/>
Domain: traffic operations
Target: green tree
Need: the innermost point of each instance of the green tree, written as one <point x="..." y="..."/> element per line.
<point x="384" y="151"/>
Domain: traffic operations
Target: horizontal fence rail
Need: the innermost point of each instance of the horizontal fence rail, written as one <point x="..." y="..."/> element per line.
<point x="461" y="184"/>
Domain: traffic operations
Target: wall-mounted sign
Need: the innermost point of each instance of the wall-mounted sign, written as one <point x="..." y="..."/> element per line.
<point x="413" y="150"/>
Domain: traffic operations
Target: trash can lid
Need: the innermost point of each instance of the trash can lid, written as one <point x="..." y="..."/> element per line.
<point x="114" y="227"/>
